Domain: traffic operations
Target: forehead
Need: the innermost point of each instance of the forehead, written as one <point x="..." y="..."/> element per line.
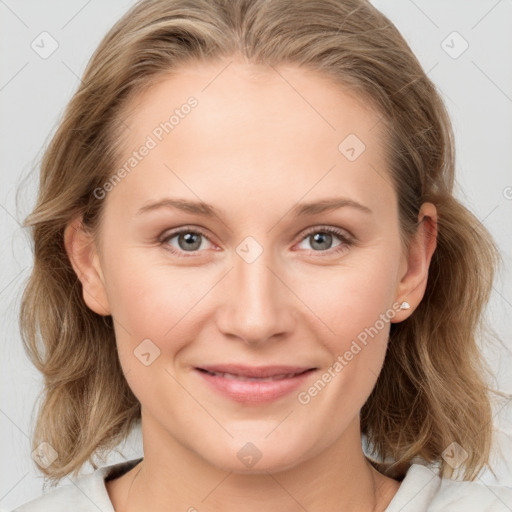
<point x="254" y="130"/>
<point x="285" y="100"/>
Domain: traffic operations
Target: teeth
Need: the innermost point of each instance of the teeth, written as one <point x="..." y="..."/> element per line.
<point x="257" y="379"/>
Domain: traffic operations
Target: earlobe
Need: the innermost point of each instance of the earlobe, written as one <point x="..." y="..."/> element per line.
<point x="413" y="284"/>
<point x="83" y="256"/>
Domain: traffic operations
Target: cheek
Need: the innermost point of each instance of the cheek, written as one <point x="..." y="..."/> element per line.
<point x="355" y="354"/>
<point x="149" y="304"/>
<point x="149" y="295"/>
<point x="352" y="298"/>
<point x="154" y="301"/>
<point x="355" y="310"/>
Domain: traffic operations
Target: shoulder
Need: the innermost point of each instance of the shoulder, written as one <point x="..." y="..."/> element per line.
<point x="59" y="499"/>
<point x="422" y="490"/>
<point x="85" y="494"/>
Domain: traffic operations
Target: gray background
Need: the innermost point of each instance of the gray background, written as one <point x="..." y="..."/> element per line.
<point x="477" y="87"/>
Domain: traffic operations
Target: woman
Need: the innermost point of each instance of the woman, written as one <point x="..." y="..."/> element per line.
<point x="258" y="345"/>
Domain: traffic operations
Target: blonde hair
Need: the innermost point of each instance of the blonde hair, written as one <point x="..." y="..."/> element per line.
<point x="432" y="390"/>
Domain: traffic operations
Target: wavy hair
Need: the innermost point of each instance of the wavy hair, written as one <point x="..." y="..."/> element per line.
<point x="433" y="388"/>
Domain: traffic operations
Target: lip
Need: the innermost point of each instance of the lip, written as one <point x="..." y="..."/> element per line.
<point x="254" y="384"/>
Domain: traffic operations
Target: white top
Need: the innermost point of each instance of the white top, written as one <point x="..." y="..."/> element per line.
<point x="420" y="491"/>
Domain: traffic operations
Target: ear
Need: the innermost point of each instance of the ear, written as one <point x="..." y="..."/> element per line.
<point x="413" y="283"/>
<point x="83" y="255"/>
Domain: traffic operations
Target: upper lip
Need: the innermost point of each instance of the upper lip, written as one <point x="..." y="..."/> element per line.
<point x="255" y="371"/>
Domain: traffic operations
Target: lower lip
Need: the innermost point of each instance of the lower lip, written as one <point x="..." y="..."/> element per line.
<point x="252" y="391"/>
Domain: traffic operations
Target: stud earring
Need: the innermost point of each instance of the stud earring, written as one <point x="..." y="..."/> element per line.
<point x="405" y="305"/>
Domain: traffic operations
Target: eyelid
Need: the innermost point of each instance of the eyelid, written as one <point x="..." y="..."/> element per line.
<point x="340" y="232"/>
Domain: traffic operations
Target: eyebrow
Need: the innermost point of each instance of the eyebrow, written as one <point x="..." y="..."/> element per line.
<point x="300" y="210"/>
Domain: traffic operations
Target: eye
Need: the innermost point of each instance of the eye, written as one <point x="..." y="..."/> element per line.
<point x="190" y="240"/>
<point x="321" y="239"/>
<point x="187" y="240"/>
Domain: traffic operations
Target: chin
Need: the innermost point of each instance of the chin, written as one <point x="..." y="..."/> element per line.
<point x="259" y="456"/>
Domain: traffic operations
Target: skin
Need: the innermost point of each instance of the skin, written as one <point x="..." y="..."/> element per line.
<point x="258" y="137"/>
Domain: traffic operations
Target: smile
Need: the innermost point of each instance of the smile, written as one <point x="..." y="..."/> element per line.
<point x="253" y="384"/>
<point x="256" y="379"/>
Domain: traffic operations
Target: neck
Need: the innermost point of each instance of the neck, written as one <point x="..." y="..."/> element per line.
<point x="339" y="478"/>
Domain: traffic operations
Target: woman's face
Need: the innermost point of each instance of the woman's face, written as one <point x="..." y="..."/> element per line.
<point x="254" y="338"/>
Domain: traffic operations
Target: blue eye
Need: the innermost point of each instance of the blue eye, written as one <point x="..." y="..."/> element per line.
<point x="319" y="239"/>
<point x="190" y="240"/>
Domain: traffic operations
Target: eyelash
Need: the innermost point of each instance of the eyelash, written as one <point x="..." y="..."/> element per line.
<point x="346" y="241"/>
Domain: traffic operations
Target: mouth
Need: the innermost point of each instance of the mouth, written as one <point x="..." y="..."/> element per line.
<point x="251" y="384"/>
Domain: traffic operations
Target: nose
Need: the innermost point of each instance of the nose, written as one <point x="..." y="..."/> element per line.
<point x="259" y="306"/>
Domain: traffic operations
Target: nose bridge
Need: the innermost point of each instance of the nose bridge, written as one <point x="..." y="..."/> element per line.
<point x="258" y="303"/>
